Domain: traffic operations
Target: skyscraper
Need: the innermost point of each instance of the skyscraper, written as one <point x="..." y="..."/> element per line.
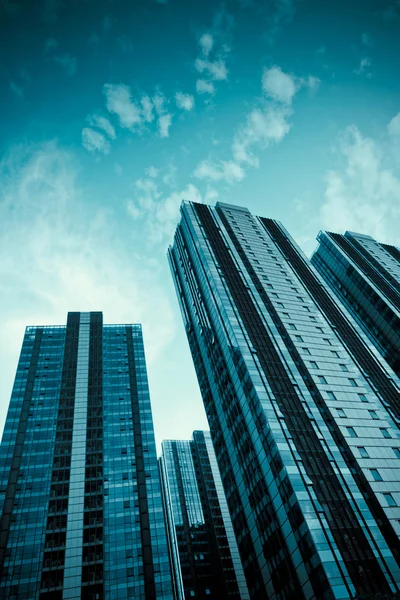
<point x="301" y="410"/>
<point x="206" y="557"/>
<point x="81" y="507"/>
<point x="365" y="275"/>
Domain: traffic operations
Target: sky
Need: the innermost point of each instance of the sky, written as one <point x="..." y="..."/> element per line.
<point x="114" y="111"/>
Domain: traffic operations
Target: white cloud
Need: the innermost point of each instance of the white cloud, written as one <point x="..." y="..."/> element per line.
<point x="119" y="102"/>
<point x="133" y="211"/>
<point x="147" y="108"/>
<point x="228" y="171"/>
<point x="184" y="101"/>
<point x="58" y="254"/>
<point x="364" y="66"/>
<point x="68" y="62"/>
<point x="104" y="124"/>
<point x="215" y="69"/>
<point x="164" y="123"/>
<point x="205" y="87"/>
<point x="206" y="43"/>
<point x="263" y="127"/>
<point x="313" y="83"/>
<point x="364" y="194"/>
<point x="159" y="101"/>
<point x="151" y="171"/>
<point x="278" y="85"/>
<point x="94" y="141"/>
<point x="366" y="39"/>
<point x="394" y="125"/>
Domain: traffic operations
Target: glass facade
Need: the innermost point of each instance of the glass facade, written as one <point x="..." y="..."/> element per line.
<point x="80" y="498"/>
<point x="204" y="549"/>
<point x="301" y="410"/>
<point x="365" y="276"/>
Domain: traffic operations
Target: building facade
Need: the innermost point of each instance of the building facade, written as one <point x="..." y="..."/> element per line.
<point x="365" y="276"/>
<point x="301" y="407"/>
<point x="206" y="558"/>
<point x="80" y="502"/>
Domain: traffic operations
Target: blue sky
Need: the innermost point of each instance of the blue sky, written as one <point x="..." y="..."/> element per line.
<point x="113" y="111"/>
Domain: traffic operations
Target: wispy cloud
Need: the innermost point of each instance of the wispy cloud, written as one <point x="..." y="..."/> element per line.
<point x="102" y="123"/>
<point x="95" y="141"/>
<point x="266" y="124"/>
<point x="68" y="62"/>
<point x="184" y="101"/>
<point x="50" y="44"/>
<point x="124" y="44"/>
<point x="362" y="195"/>
<point x="366" y="39"/>
<point x="58" y="254"/>
<point x="164" y="123"/>
<point x="119" y="102"/>
<point x="394" y="126"/>
<point x="205" y="87"/>
<point x="363" y="68"/>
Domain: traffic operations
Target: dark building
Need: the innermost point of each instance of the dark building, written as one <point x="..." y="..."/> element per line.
<point x="301" y="407"/>
<point x="365" y="276"/>
<point x="80" y="502"/>
<point x="203" y="545"/>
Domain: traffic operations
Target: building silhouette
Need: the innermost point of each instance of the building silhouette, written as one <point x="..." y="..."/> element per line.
<point x="301" y="407"/>
<point x="80" y="503"/>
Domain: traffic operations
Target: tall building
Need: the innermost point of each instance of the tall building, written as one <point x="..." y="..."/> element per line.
<point x="301" y="410"/>
<point x="365" y="276"/>
<point x="203" y="545"/>
<point x="80" y="503"/>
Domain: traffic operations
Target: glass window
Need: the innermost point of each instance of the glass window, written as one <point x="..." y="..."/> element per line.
<point x="341" y="412"/>
<point x="376" y="475"/>
<point x="298" y="338"/>
<point x="344" y="368"/>
<point x="363" y="397"/>
<point x="363" y="452"/>
<point x="351" y="431"/>
<point x="306" y="351"/>
<point x="313" y="364"/>
<point x="385" y="432"/>
<point x="331" y="396"/>
<point x="373" y="414"/>
<point x="389" y="499"/>
<point x="322" y="379"/>
<point x="396" y="452"/>
<point x="353" y="382"/>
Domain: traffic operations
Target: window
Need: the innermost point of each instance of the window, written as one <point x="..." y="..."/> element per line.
<point x="373" y="414"/>
<point x="344" y="368"/>
<point x="353" y="382"/>
<point x="306" y="351"/>
<point x="396" y="452"/>
<point x="389" y="499"/>
<point x="351" y="431"/>
<point x="319" y="329"/>
<point x="322" y="379"/>
<point x="334" y="353"/>
<point x="313" y="364"/>
<point x="385" y="432"/>
<point x="376" y="475"/>
<point x="363" y="452"/>
<point x="291" y="326"/>
<point x="306" y="308"/>
<point x="327" y="341"/>
<point x="341" y="412"/>
<point x="298" y="338"/>
<point x="331" y="395"/>
<point x="363" y="397"/>
<point x="313" y="319"/>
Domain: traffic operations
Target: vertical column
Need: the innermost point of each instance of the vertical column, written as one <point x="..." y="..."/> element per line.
<point x="73" y="546"/>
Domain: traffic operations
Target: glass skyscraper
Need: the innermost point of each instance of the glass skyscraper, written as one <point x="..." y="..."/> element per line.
<point x="80" y="498"/>
<point x="302" y="410"/>
<point x="203" y="545"/>
<point x="365" y="275"/>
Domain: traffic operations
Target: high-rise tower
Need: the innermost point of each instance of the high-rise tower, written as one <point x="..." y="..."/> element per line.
<point x="301" y="409"/>
<point x="206" y="556"/>
<point x="365" y="275"/>
<point x="80" y="502"/>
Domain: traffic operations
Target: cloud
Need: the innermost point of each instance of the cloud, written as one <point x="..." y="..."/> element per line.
<point x="205" y="87"/>
<point x="278" y="85"/>
<point x="94" y="141"/>
<point x="313" y="83"/>
<point x="366" y="39"/>
<point x="133" y="211"/>
<point x="16" y="89"/>
<point x="124" y="43"/>
<point x="119" y="102"/>
<point x="263" y="127"/>
<point x="104" y="124"/>
<point x="394" y="126"/>
<point x="206" y="43"/>
<point x="58" y="253"/>
<point x="215" y="69"/>
<point x="147" y="109"/>
<point x="364" y="194"/>
<point x="164" y="123"/>
<point x="228" y="171"/>
<point x="152" y="171"/>
<point x="68" y="62"/>
<point x="184" y="101"/>
<point x="363" y="68"/>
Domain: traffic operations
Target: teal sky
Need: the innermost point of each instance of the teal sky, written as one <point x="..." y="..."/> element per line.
<point x="113" y="111"/>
